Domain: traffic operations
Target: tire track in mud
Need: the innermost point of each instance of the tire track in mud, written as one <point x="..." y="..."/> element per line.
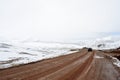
<point x="71" y="71"/>
<point x="102" y="69"/>
<point x="52" y="70"/>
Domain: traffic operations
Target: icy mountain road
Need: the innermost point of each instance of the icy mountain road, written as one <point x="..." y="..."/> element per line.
<point x="82" y="65"/>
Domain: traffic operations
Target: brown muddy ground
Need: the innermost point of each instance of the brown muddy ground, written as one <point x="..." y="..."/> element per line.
<point x="81" y="65"/>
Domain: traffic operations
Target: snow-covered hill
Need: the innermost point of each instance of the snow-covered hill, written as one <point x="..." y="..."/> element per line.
<point x="101" y="43"/>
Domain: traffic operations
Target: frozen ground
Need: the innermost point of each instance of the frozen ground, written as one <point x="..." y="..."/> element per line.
<point x="15" y="53"/>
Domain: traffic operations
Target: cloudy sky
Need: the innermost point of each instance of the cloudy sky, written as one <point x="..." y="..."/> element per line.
<point x="59" y="19"/>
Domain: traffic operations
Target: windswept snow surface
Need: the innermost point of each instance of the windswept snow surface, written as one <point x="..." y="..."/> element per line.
<point x="22" y="52"/>
<point x="16" y="53"/>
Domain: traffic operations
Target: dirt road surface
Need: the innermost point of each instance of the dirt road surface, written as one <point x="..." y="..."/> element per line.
<point x="81" y="65"/>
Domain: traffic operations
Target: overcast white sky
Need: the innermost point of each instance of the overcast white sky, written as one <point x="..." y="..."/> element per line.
<point x="58" y="19"/>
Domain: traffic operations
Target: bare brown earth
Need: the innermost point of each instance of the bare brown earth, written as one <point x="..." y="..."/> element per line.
<point x="81" y="65"/>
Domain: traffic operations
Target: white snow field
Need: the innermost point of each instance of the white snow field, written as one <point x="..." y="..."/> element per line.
<point x="16" y="53"/>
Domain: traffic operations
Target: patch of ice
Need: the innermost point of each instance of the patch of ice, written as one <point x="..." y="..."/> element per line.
<point x="116" y="62"/>
<point x="98" y="56"/>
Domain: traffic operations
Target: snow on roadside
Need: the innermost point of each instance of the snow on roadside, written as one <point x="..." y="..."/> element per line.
<point x="116" y="62"/>
<point x="22" y="53"/>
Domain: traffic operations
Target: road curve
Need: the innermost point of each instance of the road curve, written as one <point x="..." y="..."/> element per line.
<point x="81" y="65"/>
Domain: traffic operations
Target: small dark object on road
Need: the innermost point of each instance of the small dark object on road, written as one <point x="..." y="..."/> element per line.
<point x="89" y="49"/>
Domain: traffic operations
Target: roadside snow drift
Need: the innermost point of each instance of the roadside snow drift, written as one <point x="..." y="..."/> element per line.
<point x="12" y="54"/>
